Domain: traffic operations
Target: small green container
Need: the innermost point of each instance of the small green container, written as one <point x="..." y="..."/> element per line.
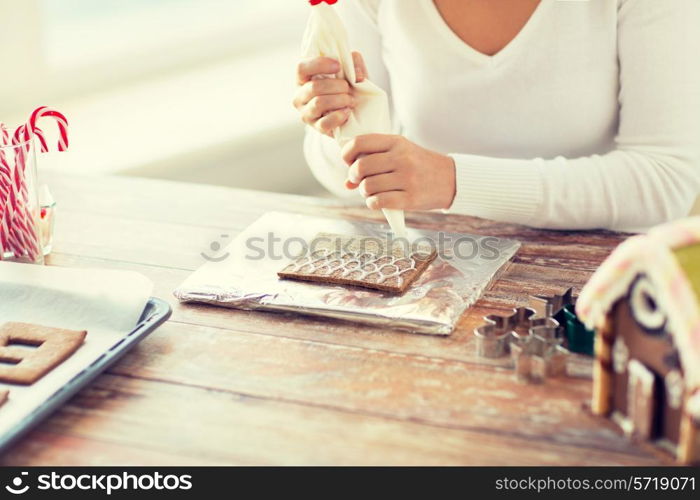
<point x="579" y="339"/>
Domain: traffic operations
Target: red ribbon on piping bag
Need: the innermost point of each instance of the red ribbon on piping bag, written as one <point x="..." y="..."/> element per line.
<point x="316" y="2"/>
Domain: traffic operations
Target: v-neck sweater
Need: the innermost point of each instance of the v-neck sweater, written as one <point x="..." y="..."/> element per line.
<point x="588" y="118"/>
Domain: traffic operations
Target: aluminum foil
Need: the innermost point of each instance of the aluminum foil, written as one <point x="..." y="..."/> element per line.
<point x="244" y="275"/>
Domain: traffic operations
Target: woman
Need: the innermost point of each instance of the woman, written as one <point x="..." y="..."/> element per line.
<point x="569" y="114"/>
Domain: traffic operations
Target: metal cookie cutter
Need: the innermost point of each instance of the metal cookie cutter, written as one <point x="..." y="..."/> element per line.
<point x="562" y="308"/>
<point x="493" y="339"/>
<point x="550" y="306"/>
<point x="537" y="358"/>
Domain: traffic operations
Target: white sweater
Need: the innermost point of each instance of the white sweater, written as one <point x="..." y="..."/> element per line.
<point x="589" y="118"/>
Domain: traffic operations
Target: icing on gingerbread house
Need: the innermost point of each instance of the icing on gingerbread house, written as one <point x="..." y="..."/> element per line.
<point x="644" y="303"/>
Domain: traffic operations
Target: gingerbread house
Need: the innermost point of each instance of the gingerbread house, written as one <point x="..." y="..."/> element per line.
<point x="644" y="303"/>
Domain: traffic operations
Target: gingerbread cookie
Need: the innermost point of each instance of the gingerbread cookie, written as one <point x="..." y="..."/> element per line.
<point x="363" y="262"/>
<point x="51" y="346"/>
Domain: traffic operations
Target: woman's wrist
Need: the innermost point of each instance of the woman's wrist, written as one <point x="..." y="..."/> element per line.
<point x="447" y="181"/>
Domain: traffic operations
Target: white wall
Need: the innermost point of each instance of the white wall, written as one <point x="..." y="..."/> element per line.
<point x="198" y="98"/>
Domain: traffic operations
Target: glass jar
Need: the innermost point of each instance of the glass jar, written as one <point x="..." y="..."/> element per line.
<point x="20" y="211"/>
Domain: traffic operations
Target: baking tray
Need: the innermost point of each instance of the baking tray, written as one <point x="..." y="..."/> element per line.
<point x="156" y="313"/>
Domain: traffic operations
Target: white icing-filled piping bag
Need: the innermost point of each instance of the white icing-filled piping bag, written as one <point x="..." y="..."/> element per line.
<point x="326" y="36"/>
<point x="397" y="222"/>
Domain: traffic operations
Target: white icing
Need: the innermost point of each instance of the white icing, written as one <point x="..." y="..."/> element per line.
<point x="675" y="387"/>
<point x="620" y="355"/>
<point x="645" y="305"/>
<point x="355" y="265"/>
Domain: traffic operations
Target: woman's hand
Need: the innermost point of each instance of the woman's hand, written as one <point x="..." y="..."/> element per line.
<point x="325" y="102"/>
<point x="392" y="172"/>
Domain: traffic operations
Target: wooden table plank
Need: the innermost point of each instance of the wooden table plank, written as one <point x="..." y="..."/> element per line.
<point x="197" y="425"/>
<point x="61" y="449"/>
<point x="458" y="346"/>
<point x="439" y="392"/>
<point x="280" y="389"/>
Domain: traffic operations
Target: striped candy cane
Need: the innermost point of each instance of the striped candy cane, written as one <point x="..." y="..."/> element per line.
<point x="23" y="229"/>
<point x="9" y="239"/>
<point x="5" y="183"/>
<point x="61" y="122"/>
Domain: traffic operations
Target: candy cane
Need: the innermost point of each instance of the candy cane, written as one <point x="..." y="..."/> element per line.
<point x="61" y="122"/>
<point x="8" y="240"/>
<point x="24" y="135"/>
<point x="23" y="233"/>
<point x="5" y="181"/>
<point x="24" y="225"/>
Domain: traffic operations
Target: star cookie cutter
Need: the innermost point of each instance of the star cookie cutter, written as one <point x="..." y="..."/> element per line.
<point x="548" y="306"/>
<point x="577" y="337"/>
<point x="537" y="358"/>
<point x="493" y="339"/>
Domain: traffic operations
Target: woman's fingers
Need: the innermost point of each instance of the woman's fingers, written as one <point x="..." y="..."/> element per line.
<point x="326" y="86"/>
<point x="368" y="166"/>
<point x="309" y="68"/>
<point x="360" y="67"/>
<point x="320" y="105"/>
<point x="367" y="145"/>
<point x="381" y="183"/>
<point x="325" y="103"/>
<point x="332" y="121"/>
<point x="390" y="200"/>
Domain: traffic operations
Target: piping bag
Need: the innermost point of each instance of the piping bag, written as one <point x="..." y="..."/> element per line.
<point x="326" y="36"/>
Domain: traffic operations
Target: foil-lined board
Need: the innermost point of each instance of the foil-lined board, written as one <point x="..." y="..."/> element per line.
<point x="245" y="276"/>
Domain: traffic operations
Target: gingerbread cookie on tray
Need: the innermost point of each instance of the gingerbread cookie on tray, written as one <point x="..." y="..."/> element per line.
<point x="361" y="261"/>
<point x="28" y="352"/>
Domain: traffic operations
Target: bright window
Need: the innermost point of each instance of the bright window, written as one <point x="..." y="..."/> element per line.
<point x="56" y="49"/>
<point x="79" y="33"/>
<point x="191" y="90"/>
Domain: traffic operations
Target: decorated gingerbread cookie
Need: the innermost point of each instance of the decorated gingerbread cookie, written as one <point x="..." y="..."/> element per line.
<point x="363" y="262"/>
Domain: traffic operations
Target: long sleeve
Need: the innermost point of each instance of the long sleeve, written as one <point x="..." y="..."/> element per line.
<point x="323" y="153"/>
<point x="652" y="175"/>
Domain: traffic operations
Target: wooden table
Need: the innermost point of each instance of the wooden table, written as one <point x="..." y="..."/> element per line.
<point x="216" y="386"/>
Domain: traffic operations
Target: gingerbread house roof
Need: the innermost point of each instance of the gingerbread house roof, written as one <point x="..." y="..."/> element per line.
<point x="668" y="256"/>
